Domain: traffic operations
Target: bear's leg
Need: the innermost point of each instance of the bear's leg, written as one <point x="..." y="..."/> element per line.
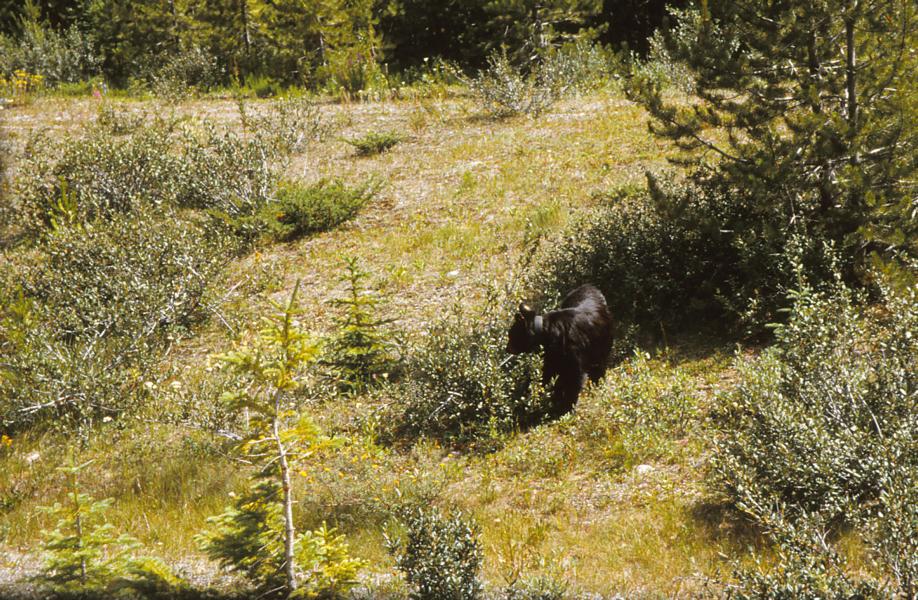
<point x="567" y="390"/>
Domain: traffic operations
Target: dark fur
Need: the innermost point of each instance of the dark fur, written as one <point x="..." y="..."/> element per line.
<point x="576" y="338"/>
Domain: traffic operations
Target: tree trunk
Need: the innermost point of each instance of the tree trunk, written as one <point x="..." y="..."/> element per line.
<point x="851" y="64"/>
<point x="289" y="532"/>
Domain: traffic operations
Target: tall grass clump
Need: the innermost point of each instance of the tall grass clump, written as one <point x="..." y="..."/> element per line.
<point x="819" y="435"/>
<point x="460" y="383"/>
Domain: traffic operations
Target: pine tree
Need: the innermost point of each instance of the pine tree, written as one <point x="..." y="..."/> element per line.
<point x="360" y="354"/>
<point x="817" y="102"/>
<point x="257" y="534"/>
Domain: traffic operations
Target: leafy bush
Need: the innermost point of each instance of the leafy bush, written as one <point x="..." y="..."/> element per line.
<point x="186" y="72"/>
<point x="375" y="143"/>
<point x="461" y="382"/>
<point x="302" y="210"/>
<point x="59" y="57"/>
<point x="820" y="431"/>
<point x="684" y="254"/>
<point x="102" y="302"/>
<point x="505" y="89"/>
<point x="440" y="555"/>
<point x="288" y="125"/>
<point x="156" y="165"/>
<point x="818" y="422"/>
<point x="352" y="69"/>
<point x="360" y="353"/>
<point x="643" y="410"/>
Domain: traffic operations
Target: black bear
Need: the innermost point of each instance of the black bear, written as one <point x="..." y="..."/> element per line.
<point x="576" y="338"/>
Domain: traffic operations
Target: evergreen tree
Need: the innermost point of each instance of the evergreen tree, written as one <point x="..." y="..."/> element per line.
<point x="817" y="103"/>
<point x="360" y="355"/>
<point x="257" y="534"/>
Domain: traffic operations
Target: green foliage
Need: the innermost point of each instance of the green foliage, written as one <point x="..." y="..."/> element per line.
<point x="257" y="535"/>
<point x="186" y="72"/>
<point x="644" y="410"/>
<point x="687" y="254"/>
<point x="289" y="125"/>
<point x="360" y="352"/>
<point x="375" y="142"/>
<point x="84" y="554"/>
<point x="440" y="555"/>
<point x="155" y="166"/>
<point x="301" y="210"/>
<point x="461" y="383"/>
<point x="65" y="56"/>
<point x="811" y="100"/>
<point x="102" y="302"/>
<point x="820" y="431"/>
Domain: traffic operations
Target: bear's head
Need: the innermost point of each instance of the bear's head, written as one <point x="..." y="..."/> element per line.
<point x="522" y="336"/>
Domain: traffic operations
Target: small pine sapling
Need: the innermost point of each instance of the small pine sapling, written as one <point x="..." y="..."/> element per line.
<point x="85" y="553"/>
<point x="257" y="535"/>
<point x="361" y="354"/>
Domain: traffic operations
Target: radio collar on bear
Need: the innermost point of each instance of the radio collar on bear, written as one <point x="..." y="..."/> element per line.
<point x="537" y="326"/>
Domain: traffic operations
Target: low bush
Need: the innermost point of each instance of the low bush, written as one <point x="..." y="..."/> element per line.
<point x="642" y="411"/>
<point x="683" y="254"/>
<point x="288" y="125"/>
<point x="440" y="555"/>
<point x="186" y="72"/>
<point x="505" y="89"/>
<point x="819" y="433"/>
<point x="375" y="143"/>
<point x="100" y="303"/>
<point x="819" y="421"/>
<point x="460" y="383"/>
<point x="300" y="210"/>
<point x="158" y="165"/>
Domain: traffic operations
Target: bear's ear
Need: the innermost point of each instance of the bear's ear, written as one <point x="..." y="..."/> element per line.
<point x="527" y="311"/>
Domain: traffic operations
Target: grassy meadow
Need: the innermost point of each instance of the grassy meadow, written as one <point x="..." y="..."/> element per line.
<point x="579" y="499"/>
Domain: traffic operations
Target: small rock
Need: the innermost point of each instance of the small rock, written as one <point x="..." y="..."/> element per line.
<point x="643" y="469"/>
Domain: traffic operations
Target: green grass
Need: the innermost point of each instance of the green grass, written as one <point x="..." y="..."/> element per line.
<point x="453" y="216"/>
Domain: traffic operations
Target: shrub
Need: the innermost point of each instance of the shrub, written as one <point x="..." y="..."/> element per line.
<point x="461" y="383"/>
<point x="154" y="166"/>
<point x="352" y="69"/>
<point x="103" y="301"/>
<point x="186" y="72"/>
<point x="59" y="57"/>
<point x="645" y="410"/>
<point x="360" y="353"/>
<point x="505" y="89"/>
<point x="819" y="432"/>
<point x="683" y="254"/>
<point x="818" y="422"/>
<point x="375" y="143"/>
<point x="288" y="125"/>
<point x="302" y="210"/>
<point x="440" y="555"/>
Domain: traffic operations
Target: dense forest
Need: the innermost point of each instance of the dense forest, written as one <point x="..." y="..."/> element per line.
<point x="313" y="42"/>
<point x="275" y="277"/>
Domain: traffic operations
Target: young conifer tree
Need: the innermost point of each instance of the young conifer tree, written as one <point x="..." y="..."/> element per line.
<point x="806" y="111"/>
<point x="257" y="535"/>
<point x="360" y="354"/>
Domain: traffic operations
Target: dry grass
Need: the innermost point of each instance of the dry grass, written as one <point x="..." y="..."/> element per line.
<point x="460" y="196"/>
